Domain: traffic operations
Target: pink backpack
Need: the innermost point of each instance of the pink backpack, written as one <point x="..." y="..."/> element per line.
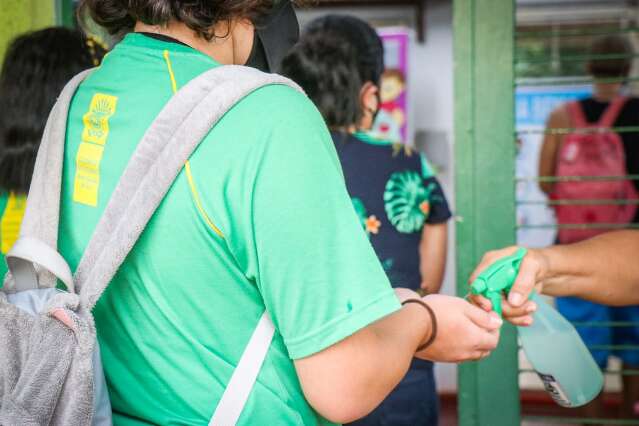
<point x="592" y="153"/>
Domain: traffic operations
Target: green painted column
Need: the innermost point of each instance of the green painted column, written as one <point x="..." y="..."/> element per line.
<point x="485" y="189"/>
<point x="19" y="16"/>
<point x="66" y="13"/>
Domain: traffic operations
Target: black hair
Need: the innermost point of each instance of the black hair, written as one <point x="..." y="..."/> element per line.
<point x="618" y="65"/>
<point x="335" y="57"/>
<point x="36" y="67"/>
<point x="364" y="40"/>
<point x="326" y="69"/>
<point x="119" y="16"/>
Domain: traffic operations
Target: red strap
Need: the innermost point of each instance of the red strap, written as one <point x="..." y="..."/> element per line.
<point x="612" y="112"/>
<point x="577" y="117"/>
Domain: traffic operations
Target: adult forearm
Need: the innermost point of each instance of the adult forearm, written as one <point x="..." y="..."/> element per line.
<point x="348" y="380"/>
<point x="603" y="269"/>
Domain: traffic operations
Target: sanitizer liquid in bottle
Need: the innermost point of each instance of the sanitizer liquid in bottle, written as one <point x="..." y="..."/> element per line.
<point x="556" y="352"/>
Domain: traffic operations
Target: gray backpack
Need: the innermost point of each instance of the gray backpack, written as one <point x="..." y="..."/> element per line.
<point x="50" y="372"/>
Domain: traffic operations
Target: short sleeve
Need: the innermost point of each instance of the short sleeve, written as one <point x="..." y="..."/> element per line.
<point x="316" y="270"/>
<point x="439" y="209"/>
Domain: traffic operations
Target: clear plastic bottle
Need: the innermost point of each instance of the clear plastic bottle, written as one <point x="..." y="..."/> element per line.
<point x="553" y="347"/>
<point x="559" y="356"/>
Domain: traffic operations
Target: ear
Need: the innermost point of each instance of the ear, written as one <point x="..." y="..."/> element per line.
<point x="369" y="98"/>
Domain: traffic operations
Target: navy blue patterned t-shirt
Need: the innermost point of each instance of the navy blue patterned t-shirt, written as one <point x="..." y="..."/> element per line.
<point x="395" y="193"/>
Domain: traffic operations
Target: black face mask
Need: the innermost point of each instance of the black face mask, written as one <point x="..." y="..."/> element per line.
<point x="275" y="34"/>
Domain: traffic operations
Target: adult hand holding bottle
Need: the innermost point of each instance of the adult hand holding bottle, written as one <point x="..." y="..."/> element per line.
<point x="570" y="385"/>
<point x="586" y="269"/>
<point x="516" y="307"/>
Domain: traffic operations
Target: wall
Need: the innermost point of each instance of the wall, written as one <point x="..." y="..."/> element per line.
<point x="433" y="69"/>
<point x="432" y="94"/>
<point x="18" y="16"/>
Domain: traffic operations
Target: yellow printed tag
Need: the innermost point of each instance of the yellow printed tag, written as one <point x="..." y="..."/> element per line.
<point x="91" y="149"/>
<point x="96" y="120"/>
<point x="87" y="175"/>
<point x="11" y="221"/>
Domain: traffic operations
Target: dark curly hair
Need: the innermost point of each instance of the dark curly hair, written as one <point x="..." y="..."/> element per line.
<point x="35" y="69"/>
<point x="119" y="16"/>
<point x="335" y="56"/>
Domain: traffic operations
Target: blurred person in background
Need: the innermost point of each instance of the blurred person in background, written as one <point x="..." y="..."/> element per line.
<point x="36" y="67"/>
<point x="585" y="153"/>
<point x="339" y="62"/>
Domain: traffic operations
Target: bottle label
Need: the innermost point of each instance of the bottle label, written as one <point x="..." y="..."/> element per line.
<point x="555" y="390"/>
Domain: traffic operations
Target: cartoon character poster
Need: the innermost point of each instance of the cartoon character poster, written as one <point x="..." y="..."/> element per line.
<point x="392" y="122"/>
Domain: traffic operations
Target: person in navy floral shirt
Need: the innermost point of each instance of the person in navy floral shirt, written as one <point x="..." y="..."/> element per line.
<point x="339" y="62"/>
<point x="400" y="204"/>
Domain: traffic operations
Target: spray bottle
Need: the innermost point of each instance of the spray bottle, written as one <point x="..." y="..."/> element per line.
<point x="552" y="345"/>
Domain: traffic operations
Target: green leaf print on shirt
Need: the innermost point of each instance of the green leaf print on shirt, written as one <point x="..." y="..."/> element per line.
<point x="360" y="209"/>
<point x="407" y="201"/>
<point x="388" y="264"/>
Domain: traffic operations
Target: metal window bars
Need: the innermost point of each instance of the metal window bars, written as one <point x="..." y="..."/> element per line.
<point x="559" y="83"/>
<point x="487" y="73"/>
<point x="562" y="34"/>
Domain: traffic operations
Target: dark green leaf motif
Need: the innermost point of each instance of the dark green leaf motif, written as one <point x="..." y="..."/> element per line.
<point x="360" y="209"/>
<point x="406" y="201"/>
<point x="388" y="264"/>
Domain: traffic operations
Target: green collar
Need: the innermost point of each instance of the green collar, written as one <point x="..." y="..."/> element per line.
<point x="366" y="137"/>
<point x="146" y="42"/>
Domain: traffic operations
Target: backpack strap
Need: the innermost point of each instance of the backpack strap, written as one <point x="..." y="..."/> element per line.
<point x="39" y="230"/>
<point x="26" y="253"/>
<point x="158" y="159"/>
<point x="576" y="113"/>
<point x="238" y="390"/>
<point x="612" y="112"/>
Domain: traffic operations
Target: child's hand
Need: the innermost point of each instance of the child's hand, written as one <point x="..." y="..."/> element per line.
<point x="464" y="332"/>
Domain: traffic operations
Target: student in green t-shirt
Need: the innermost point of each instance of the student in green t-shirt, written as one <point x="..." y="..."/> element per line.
<point x="35" y="68"/>
<point x="258" y="219"/>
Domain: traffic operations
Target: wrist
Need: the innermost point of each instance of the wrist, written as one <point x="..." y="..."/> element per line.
<point x="543" y="259"/>
<point x="428" y="322"/>
<point x="557" y="270"/>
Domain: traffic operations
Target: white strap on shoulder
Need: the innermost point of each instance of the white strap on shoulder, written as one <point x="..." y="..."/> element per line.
<point x="237" y="392"/>
<point x="29" y="251"/>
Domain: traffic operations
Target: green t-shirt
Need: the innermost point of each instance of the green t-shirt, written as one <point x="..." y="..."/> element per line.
<point x="259" y="218"/>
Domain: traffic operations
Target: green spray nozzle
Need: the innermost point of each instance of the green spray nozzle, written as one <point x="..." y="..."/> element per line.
<point x="498" y="279"/>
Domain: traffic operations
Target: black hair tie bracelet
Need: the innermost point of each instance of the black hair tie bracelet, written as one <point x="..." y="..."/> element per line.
<point x="433" y="320"/>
